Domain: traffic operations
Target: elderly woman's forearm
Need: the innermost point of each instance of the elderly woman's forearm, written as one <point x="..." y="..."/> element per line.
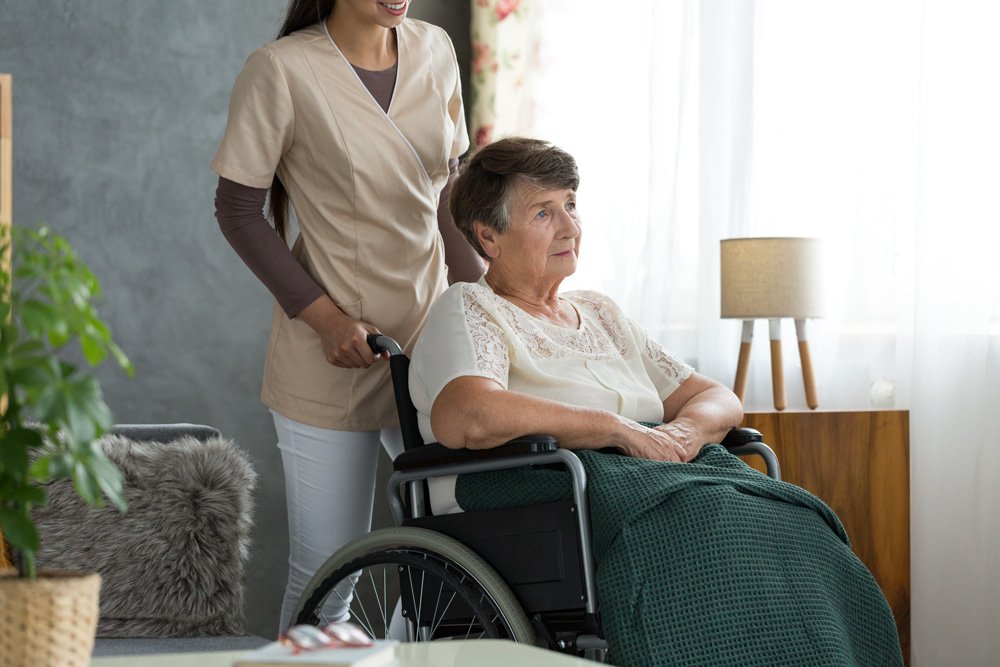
<point x="463" y="417"/>
<point x="712" y="413"/>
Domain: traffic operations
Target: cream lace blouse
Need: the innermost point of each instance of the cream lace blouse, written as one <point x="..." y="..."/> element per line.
<point x="608" y="363"/>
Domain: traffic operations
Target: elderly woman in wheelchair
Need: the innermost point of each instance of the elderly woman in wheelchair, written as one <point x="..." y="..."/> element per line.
<point x="644" y="546"/>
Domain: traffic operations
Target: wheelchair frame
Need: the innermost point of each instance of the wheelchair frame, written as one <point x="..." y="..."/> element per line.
<point x="420" y="462"/>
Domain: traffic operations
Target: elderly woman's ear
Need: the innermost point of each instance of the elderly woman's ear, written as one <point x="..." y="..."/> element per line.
<point x="487" y="237"/>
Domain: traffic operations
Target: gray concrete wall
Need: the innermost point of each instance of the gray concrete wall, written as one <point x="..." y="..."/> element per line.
<point x="118" y="108"/>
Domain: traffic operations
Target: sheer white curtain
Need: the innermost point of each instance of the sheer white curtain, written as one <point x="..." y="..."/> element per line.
<point x="871" y="124"/>
<point x="955" y="386"/>
<point x="592" y="93"/>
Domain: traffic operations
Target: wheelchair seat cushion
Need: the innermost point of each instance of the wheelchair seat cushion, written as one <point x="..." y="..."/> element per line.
<point x="710" y="562"/>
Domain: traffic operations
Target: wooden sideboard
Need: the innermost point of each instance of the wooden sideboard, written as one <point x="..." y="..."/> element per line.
<point x="859" y="464"/>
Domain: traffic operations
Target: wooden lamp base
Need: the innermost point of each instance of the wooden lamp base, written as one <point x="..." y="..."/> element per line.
<point x="777" y="370"/>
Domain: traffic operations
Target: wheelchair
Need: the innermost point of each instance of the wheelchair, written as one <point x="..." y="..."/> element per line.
<point x="524" y="573"/>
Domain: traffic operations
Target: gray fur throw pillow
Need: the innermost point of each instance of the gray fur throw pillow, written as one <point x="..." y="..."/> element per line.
<point x="173" y="565"/>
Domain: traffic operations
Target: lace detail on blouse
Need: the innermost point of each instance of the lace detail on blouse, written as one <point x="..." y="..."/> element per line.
<point x="611" y="320"/>
<point x="492" y="360"/>
<point x="603" y="331"/>
<point x="676" y="370"/>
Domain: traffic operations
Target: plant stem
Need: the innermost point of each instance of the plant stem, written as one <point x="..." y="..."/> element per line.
<point x="24" y="563"/>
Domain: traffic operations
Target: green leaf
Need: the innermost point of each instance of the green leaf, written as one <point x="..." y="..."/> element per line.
<point x="110" y="480"/>
<point x="88" y="279"/>
<point x="24" y="437"/>
<point x="18" y="529"/>
<point x="122" y="360"/>
<point x="75" y="403"/>
<point x="39" y="318"/>
<point x="34" y="371"/>
<point x="14" y="448"/>
<point x="58" y="243"/>
<point x="61" y="465"/>
<point x="59" y="335"/>
<point x="98" y="329"/>
<point x="79" y="292"/>
<point x="42" y="469"/>
<point x="7" y="484"/>
<point x="51" y="403"/>
<point x="28" y="348"/>
<point x="93" y="349"/>
<point x="85" y="484"/>
<point x="28" y="269"/>
<point x="85" y="402"/>
<point x="14" y="460"/>
<point x="79" y="427"/>
<point x="28" y="494"/>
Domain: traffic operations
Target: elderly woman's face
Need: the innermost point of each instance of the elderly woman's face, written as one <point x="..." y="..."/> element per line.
<point x="543" y="240"/>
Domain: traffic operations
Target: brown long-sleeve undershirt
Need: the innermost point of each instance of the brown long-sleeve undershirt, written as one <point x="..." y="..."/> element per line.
<point x="239" y="210"/>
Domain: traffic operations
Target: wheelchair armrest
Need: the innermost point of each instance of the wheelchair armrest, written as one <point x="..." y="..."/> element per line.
<point x="740" y="436"/>
<point x="741" y="441"/>
<point x="435" y="454"/>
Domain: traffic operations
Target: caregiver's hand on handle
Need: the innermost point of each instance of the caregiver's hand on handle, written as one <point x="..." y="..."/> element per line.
<point x="343" y="338"/>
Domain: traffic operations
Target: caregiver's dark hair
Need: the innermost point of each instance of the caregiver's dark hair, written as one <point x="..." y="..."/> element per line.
<point x="301" y="14"/>
<point x="488" y="177"/>
<point x="304" y="13"/>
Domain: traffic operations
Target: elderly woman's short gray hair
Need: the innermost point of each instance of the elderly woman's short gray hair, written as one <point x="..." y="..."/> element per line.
<point x="488" y="176"/>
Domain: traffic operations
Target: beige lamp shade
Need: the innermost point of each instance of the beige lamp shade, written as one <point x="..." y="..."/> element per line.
<point x="772" y="278"/>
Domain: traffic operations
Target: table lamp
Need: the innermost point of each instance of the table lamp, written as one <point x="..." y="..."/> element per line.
<point x="772" y="278"/>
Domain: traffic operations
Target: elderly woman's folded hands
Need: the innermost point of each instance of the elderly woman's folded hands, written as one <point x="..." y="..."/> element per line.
<point x="667" y="442"/>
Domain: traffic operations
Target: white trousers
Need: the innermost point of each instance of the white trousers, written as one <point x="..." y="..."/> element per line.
<point x="329" y="487"/>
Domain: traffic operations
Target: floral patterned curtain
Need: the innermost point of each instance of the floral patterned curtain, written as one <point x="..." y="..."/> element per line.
<point x="503" y="48"/>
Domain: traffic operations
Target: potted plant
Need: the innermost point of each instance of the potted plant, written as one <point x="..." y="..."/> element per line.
<point x="52" y="414"/>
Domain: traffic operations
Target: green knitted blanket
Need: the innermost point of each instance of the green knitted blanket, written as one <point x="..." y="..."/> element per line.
<point x="712" y="563"/>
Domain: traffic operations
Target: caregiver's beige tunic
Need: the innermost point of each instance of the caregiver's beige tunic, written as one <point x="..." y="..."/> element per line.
<point x="364" y="185"/>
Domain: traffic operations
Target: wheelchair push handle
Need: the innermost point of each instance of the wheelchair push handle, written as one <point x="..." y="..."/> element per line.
<point x="399" y="368"/>
<point x="380" y="343"/>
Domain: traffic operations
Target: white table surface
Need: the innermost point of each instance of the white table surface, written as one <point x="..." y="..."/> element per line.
<point x="471" y="653"/>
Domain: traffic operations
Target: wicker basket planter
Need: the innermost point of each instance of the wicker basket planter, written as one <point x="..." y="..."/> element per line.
<point x="48" y="622"/>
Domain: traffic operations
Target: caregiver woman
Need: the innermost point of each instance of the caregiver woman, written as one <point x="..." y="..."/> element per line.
<point x="354" y="116"/>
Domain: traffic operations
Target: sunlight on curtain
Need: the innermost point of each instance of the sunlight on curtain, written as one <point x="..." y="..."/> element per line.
<point x="638" y="197"/>
<point x="955" y="463"/>
<point x="876" y="128"/>
<point x="870" y="124"/>
<point x="835" y="155"/>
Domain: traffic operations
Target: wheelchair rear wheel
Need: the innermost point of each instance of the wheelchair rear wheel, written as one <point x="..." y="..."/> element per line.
<point x="437" y="588"/>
